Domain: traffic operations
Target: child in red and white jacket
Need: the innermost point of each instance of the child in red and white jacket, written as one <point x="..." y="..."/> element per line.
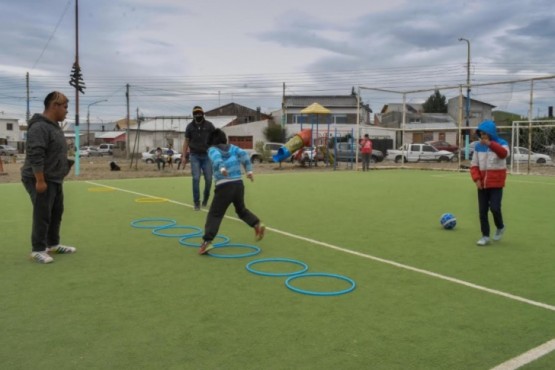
<point x="488" y="170"/>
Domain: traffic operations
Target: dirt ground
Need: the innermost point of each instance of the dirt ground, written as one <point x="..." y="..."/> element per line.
<point x="98" y="168"/>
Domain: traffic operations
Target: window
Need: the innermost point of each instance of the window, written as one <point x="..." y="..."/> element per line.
<point x="339" y="118"/>
<point x="300" y="118"/>
<point x="9" y="126"/>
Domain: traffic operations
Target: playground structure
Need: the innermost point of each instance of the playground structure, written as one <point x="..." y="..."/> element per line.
<point x="320" y="148"/>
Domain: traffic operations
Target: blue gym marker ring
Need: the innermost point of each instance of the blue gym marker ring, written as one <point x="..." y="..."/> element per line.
<point x="158" y="231"/>
<point x="320" y="274"/>
<point x="139" y="223"/>
<point x="185" y="242"/>
<point x="254" y="251"/>
<point x="286" y="260"/>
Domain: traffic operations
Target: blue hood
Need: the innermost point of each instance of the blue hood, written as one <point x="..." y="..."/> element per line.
<point x="488" y="126"/>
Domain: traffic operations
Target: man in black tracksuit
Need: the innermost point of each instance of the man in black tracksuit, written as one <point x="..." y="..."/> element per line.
<point x="46" y="165"/>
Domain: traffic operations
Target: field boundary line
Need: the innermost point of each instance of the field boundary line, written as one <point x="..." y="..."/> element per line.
<point x="527" y="357"/>
<point x="368" y="256"/>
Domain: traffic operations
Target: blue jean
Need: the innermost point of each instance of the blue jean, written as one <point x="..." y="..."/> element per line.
<point x="201" y="162"/>
<point x="490" y="200"/>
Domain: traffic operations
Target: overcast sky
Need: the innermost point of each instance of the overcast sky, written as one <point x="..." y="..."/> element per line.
<point x="175" y="54"/>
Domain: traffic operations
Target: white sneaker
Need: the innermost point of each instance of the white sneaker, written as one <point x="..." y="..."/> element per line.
<point x="498" y="234"/>
<point x="41" y="257"/>
<point x="484" y="240"/>
<point x="61" y="249"/>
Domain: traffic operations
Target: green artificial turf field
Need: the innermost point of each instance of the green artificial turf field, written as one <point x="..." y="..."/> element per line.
<point x="425" y="298"/>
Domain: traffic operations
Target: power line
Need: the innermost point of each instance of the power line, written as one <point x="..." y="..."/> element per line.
<point x="52" y="35"/>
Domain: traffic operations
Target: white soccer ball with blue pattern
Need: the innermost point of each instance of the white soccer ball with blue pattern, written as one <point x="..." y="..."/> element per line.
<point x="448" y="221"/>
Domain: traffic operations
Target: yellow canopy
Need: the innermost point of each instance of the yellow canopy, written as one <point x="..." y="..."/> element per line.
<point x="315" y="108"/>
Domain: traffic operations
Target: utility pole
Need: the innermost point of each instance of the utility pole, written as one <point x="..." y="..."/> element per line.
<point x="128" y="121"/>
<point x="77" y="82"/>
<point x="89" y="119"/>
<point x="466" y="151"/>
<point x="28" y="115"/>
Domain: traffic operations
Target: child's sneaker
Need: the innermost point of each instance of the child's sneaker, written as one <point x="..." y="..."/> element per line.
<point x="483" y="241"/>
<point x="259" y="230"/>
<point x="197" y="207"/>
<point x="499" y="234"/>
<point x="205" y="247"/>
<point x="41" y="257"/>
<point x="61" y="249"/>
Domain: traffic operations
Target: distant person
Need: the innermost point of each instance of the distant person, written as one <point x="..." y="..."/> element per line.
<point x="366" y="151"/>
<point x="46" y="165"/>
<point x="227" y="160"/>
<point x="488" y="169"/>
<point x="170" y="154"/>
<point x="159" y="158"/>
<point x="197" y="134"/>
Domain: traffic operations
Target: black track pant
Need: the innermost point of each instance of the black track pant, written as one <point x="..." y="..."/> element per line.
<point x="224" y="195"/>
<point x="48" y="208"/>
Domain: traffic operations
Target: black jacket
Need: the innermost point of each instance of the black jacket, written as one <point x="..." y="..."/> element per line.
<point x="198" y="135"/>
<point x="46" y="150"/>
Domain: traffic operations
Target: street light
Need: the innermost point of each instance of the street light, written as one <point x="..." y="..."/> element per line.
<point x="88" y="118"/>
<point x="466" y="154"/>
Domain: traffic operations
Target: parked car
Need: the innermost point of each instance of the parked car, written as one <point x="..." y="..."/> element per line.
<point x="106" y="149"/>
<point x="89" y="151"/>
<point x="7" y="150"/>
<point x="419" y="152"/>
<point x="150" y="156"/>
<point x="345" y="152"/>
<point x="471" y="147"/>
<point x="520" y="154"/>
<point x="308" y="155"/>
<point x="443" y="145"/>
<point x="269" y="150"/>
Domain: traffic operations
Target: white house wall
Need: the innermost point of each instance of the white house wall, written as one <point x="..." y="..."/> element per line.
<point x="12" y="136"/>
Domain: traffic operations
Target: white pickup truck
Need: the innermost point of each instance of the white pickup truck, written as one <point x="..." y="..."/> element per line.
<point x="419" y="152"/>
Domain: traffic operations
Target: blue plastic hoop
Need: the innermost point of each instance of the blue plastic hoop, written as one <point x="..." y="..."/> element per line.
<point x="137" y="223"/>
<point x="287" y="260"/>
<point x="158" y="231"/>
<point x="324" y="274"/>
<point x="183" y="241"/>
<point x="255" y="251"/>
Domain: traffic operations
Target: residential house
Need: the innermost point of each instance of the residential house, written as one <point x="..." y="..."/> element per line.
<point x="344" y="110"/>
<point x="479" y="111"/>
<point x="243" y="114"/>
<point x="166" y="131"/>
<point x="420" y="126"/>
<point x="88" y="132"/>
<point x="110" y="137"/>
<point x="247" y="135"/>
<point x="9" y="131"/>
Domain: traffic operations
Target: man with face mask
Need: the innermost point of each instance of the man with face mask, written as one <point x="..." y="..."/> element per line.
<point x="197" y="134"/>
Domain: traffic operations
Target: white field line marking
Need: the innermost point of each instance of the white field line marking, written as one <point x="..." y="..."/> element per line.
<point x="527" y="357"/>
<point x="374" y="258"/>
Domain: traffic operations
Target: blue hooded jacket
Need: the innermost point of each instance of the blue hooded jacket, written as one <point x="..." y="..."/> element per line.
<point x="489" y="164"/>
<point x="488" y="126"/>
<point x="231" y="158"/>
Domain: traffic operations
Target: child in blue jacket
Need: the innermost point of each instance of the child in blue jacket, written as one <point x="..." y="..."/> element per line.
<point x="227" y="160"/>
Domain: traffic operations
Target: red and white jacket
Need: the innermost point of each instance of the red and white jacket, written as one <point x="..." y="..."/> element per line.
<point x="489" y="164"/>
